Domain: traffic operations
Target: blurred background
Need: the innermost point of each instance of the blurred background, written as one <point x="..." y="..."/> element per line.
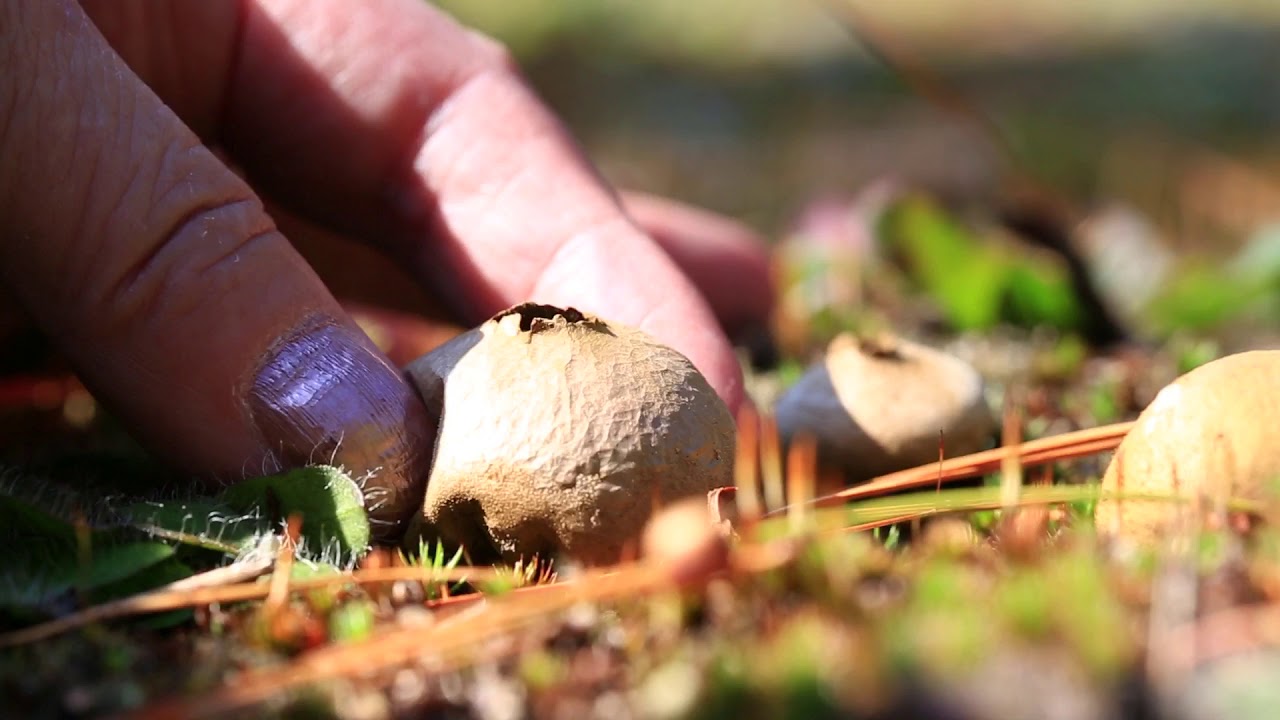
<point x="1144" y="135"/>
<point x="754" y="106"/>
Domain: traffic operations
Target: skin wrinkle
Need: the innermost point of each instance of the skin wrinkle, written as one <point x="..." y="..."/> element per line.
<point x="438" y="130"/>
<point x="151" y="279"/>
<point x="243" y="250"/>
<point x="119" y="216"/>
<point x="100" y="211"/>
<point x="235" y="253"/>
<point x="104" y="202"/>
<point x="167" y="181"/>
<point x="451" y="127"/>
<point x="442" y="114"/>
<point x="590" y="228"/>
<point x="569" y="248"/>
<point x="78" y="156"/>
<point x="193" y="76"/>
<point x="130" y="185"/>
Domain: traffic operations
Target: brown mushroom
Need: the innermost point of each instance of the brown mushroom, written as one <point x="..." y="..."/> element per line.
<point x="560" y="432"/>
<point x="876" y="405"/>
<point x="1212" y="434"/>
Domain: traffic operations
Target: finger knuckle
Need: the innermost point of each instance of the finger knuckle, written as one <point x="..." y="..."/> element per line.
<point x="190" y="238"/>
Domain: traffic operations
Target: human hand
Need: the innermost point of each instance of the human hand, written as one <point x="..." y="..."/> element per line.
<point x="156" y="269"/>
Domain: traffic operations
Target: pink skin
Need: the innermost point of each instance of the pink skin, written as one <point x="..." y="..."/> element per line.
<point x="186" y="310"/>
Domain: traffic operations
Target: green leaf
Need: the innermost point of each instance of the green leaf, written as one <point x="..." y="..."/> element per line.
<point x="352" y="622"/>
<point x="44" y="567"/>
<point x="1258" y="262"/>
<point x="978" y="281"/>
<point x="329" y="501"/>
<point x="964" y="275"/>
<point x="1040" y="293"/>
<point x="30" y="533"/>
<point x="110" y="564"/>
<point x="1201" y="298"/>
<point x="144" y="579"/>
<point x="40" y="561"/>
<point x="107" y="565"/>
<point x="207" y="524"/>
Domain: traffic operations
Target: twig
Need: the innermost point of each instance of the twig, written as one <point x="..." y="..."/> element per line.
<point x="747" y="465"/>
<point x="801" y="468"/>
<point x="1066" y="446"/>
<point x="445" y="644"/>
<point x="171" y="598"/>
<point x="237" y="572"/>
<point x="771" y="464"/>
<point x="1011" y="465"/>
<point x="278" y="589"/>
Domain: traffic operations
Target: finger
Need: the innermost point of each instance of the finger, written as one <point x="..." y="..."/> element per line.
<point x="185" y="52"/>
<point x="168" y="287"/>
<point x="387" y="120"/>
<point x="337" y="110"/>
<point x="727" y="261"/>
<point x="356" y="272"/>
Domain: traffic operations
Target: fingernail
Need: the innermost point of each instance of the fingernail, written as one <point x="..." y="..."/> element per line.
<point x="325" y="394"/>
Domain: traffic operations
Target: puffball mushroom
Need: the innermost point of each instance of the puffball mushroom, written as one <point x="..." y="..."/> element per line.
<point x="561" y="432"/>
<point x="876" y="405"/>
<point x="1213" y="434"/>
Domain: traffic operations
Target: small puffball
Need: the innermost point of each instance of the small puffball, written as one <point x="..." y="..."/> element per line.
<point x="1213" y="434"/>
<point x="682" y="541"/>
<point x="560" y="432"/>
<point x="879" y="405"/>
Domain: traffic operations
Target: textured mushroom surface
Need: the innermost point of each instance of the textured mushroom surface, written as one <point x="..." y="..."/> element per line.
<point x="1212" y="434"/>
<point x="560" y="432"/>
<point x="879" y="405"/>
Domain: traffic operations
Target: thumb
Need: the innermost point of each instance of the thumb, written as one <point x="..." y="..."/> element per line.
<point x="161" y="277"/>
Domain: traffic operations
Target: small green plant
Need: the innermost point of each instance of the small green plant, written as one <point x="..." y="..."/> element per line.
<point x="432" y="556"/>
<point x="890" y="536"/>
<point x="520" y="574"/>
<point x="352" y="621"/>
<point x="977" y="280"/>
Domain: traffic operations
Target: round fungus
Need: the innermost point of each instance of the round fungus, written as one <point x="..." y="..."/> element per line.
<point x="876" y="405"/>
<point x="561" y="432"/>
<point x="1210" y="435"/>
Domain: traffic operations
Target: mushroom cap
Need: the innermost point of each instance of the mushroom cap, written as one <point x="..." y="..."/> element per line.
<point x="560" y="432"/>
<point x="1212" y="433"/>
<point x="878" y="405"/>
